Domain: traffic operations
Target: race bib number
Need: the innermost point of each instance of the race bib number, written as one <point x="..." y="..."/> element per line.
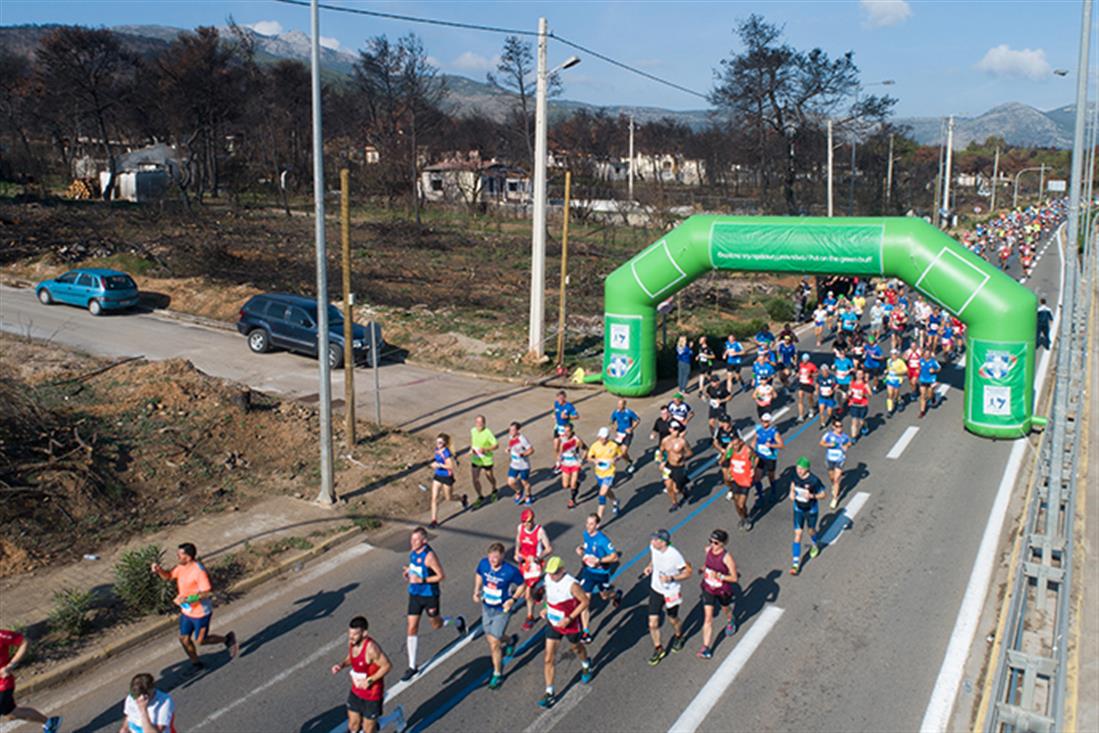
<point x="672" y="598"/>
<point x="358" y="679"/>
<point x="532" y="571"/>
<point x="802" y="494"/>
<point x="591" y="561"/>
<point x="713" y="579"/>
<point x="493" y="595"/>
<point x="555" y="617"/>
<point x="835" y="454"/>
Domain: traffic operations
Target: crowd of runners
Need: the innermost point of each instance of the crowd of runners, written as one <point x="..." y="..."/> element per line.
<point x="1015" y="233"/>
<point x="884" y="348"/>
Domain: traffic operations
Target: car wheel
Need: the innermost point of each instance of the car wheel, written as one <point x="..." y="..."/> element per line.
<point x="259" y="341"/>
<point x="335" y="356"/>
<point x="44" y="297"/>
<point x="95" y="307"/>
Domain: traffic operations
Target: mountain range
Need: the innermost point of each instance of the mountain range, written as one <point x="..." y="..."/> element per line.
<point x="1017" y="123"/>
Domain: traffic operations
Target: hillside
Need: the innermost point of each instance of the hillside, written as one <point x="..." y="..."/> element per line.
<point x="1018" y="124"/>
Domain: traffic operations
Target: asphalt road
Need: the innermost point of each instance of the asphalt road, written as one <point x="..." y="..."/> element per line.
<point x="853" y="643"/>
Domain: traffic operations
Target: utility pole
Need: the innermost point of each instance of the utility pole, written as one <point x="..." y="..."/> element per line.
<point x="1041" y="181"/>
<point x="327" y="493"/>
<point x="889" y="175"/>
<point x="1075" y="182"/>
<point x="630" y="185"/>
<point x="564" y="274"/>
<point x="851" y="193"/>
<point x="536" y="327"/>
<point x="949" y="161"/>
<point x="831" y="160"/>
<point x="348" y="332"/>
<point x="995" y="180"/>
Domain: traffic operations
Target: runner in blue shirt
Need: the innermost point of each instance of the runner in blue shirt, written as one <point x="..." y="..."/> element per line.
<point x="768" y="444"/>
<point x="734" y="358"/>
<point x="787" y="357"/>
<point x="849" y="319"/>
<point x="563" y="415"/>
<point x="625" y="422"/>
<point x="835" y="443"/>
<point x="874" y="361"/>
<point x="762" y="369"/>
<point x="764" y="338"/>
<point x="929" y="371"/>
<point x="844" y="369"/>
<point x="493" y="582"/>
<point x="934" y="330"/>
<point x="600" y="559"/>
<point x="826" y="394"/>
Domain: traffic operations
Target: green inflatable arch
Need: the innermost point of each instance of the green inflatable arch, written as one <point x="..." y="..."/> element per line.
<point x="999" y="313"/>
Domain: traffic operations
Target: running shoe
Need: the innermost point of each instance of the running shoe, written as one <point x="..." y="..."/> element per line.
<point x="728" y="496"/>
<point x="658" y="654"/>
<point x="465" y="501"/>
<point x="730" y="628"/>
<point x="585" y="674"/>
<point x="528" y="624"/>
<point x="814" y="550"/>
<point x="52" y="724"/>
<point x="834" y="503"/>
<point x="743" y="524"/>
<point x="422" y="488"/>
<point x="528" y="501"/>
<point x="673" y="508"/>
<point x="614" y="507"/>
<point x="494" y="496"/>
<point x="678" y="642"/>
<point x="409" y="674"/>
<point x="509" y="649"/>
<point x="923" y="413"/>
<point x="616" y="599"/>
<point x="518" y="499"/>
<point x="495" y="682"/>
<point x="432" y="524"/>
<point x="572" y="504"/>
<point x="480" y="502"/>
<point x="748" y="527"/>
<point x="794" y="569"/>
<point x="705" y="653"/>
<point x="548" y="700"/>
<point x="460" y="625"/>
<point x="586" y="637"/>
<point x="631" y="469"/>
<point x="231" y="644"/>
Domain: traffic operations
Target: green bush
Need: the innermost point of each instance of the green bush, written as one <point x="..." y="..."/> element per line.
<point x="780" y="309"/>
<point x="747" y="329"/>
<point x="69" y="616"/>
<point x="137" y="587"/>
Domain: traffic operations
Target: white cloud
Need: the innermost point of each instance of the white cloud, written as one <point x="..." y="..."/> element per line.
<point x="470" y="61"/>
<point x="329" y="42"/>
<point x="884" y="13"/>
<point x="432" y="61"/>
<point x="1027" y="63"/>
<point x="267" y="27"/>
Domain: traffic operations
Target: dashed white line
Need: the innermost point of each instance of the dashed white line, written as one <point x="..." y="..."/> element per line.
<point x="549" y="719"/>
<point x="844" y="520"/>
<point x="902" y="442"/>
<point x="712" y="692"/>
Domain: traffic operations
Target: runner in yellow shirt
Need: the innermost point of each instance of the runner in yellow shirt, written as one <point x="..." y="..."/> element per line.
<point x="482" y="442"/>
<point x="604" y="453"/>
<point x="896" y="371"/>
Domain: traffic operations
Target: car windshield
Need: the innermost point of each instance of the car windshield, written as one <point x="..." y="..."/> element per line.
<point x="119" y="282"/>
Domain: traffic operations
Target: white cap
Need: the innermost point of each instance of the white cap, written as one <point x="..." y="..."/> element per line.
<point x="766" y="417"/>
<point x="604" y="431"/>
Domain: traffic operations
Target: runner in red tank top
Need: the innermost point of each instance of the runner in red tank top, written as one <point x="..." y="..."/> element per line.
<point x="532" y="546"/>
<point x="369" y="666"/>
<point x="858" y="404"/>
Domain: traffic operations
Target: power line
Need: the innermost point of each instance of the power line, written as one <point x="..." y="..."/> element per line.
<point x="507" y="31"/>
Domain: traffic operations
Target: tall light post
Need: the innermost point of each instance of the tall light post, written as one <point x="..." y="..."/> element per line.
<point x="536" y="328"/>
<point x="1015" y="191"/>
<point x="630" y="185"/>
<point x="949" y="161"/>
<point x="831" y="159"/>
<point x="327" y="493"/>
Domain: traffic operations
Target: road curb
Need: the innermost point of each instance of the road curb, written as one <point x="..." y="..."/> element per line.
<point x="53" y="677"/>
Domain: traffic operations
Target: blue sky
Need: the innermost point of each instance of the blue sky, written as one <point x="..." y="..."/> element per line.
<point x="947" y="56"/>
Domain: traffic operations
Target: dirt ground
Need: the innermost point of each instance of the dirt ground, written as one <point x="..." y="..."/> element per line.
<point x="93" y="453"/>
<point x="452" y="292"/>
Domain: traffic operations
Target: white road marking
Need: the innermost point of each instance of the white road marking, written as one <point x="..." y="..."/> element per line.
<point x="902" y="442"/>
<point x="695" y="713"/>
<point x="937" y="716"/>
<point x="943" y="389"/>
<point x="939" y="707"/>
<point x="844" y="520"/>
<point x="434" y="662"/>
<point x="233" y="613"/>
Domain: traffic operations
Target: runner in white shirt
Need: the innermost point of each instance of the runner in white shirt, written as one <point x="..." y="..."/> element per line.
<point x="147" y="709"/>
<point x="667" y="569"/>
<point x="519" y="452"/>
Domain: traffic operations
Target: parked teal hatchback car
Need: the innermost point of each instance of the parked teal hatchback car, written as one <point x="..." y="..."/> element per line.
<point x="96" y="289"/>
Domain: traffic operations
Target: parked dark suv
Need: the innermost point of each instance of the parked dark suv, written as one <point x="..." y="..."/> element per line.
<point x="284" y="321"/>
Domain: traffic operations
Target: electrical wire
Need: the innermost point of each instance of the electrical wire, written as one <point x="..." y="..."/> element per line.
<point x="507" y="31"/>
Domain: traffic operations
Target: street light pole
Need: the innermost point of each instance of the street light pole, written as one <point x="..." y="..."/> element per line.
<point x="889" y="175"/>
<point x="630" y="185"/>
<point x="1015" y="192"/>
<point x="327" y="493"/>
<point x="1041" y="181"/>
<point x="949" y="162"/>
<point x="831" y="158"/>
<point x="995" y="179"/>
<point x="538" y="231"/>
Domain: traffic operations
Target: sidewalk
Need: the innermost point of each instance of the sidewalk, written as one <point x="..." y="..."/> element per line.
<point x="26" y="599"/>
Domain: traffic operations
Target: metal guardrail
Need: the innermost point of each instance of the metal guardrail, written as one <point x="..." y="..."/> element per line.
<point x="1030" y="672"/>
